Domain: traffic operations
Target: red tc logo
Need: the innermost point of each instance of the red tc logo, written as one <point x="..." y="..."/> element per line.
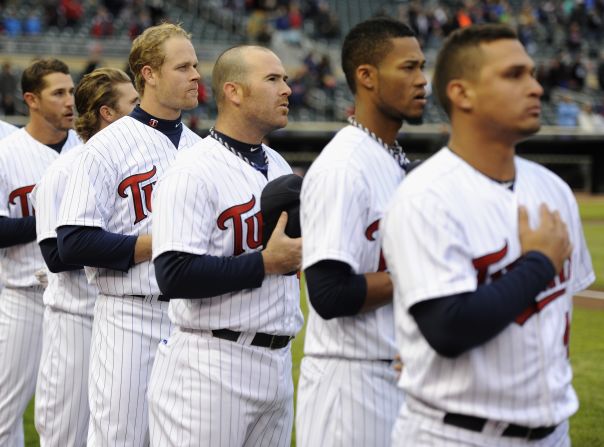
<point x="22" y="194"/>
<point x="370" y="235"/>
<point x="253" y="224"/>
<point x="141" y="195"/>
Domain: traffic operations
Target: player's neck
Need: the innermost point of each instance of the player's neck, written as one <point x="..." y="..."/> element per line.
<point x="493" y="158"/>
<point x="152" y="107"/>
<point x="237" y="130"/>
<point x="386" y="129"/>
<point x="42" y="131"/>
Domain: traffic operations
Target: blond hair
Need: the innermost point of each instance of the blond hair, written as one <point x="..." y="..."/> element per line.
<point x="147" y="49"/>
<point x="96" y="89"/>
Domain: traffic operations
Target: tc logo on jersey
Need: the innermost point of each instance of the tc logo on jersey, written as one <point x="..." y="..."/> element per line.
<point x="555" y="288"/>
<point x="370" y="235"/>
<point x="22" y="195"/>
<point x="141" y="195"/>
<point x="253" y="224"/>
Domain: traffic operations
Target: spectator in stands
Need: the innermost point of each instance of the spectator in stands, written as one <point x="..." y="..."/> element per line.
<point x="140" y="22"/>
<point x="590" y="121"/>
<point x="72" y="11"/>
<point x="12" y="24"/>
<point x="8" y="89"/>
<point x="32" y="25"/>
<point x="600" y="73"/>
<point x="327" y="24"/>
<point x="578" y="74"/>
<point x="95" y="54"/>
<point x="567" y="112"/>
<point x="102" y="23"/>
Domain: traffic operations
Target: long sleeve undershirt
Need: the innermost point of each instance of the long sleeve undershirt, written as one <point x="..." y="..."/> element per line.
<point x="455" y="324"/>
<point x="185" y="275"/>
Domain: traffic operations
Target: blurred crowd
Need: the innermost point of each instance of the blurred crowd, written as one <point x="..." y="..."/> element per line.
<point x="563" y="36"/>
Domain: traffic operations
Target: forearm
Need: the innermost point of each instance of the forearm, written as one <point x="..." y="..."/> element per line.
<point x="50" y="253"/>
<point x="455" y="324"/>
<point x="184" y="275"/>
<point x="379" y="291"/>
<point x="17" y="230"/>
<point x="96" y="247"/>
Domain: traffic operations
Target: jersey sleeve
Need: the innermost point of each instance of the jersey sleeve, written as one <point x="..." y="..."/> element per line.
<point x="582" y="272"/>
<point x="47" y="201"/>
<point x="333" y="213"/>
<point x="426" y="250"/>
<point x="182" y="215"/>
<point x="4" y="211"/>
<point x="88" y="194"/>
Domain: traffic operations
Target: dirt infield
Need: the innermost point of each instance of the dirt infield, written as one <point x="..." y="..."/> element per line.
<point x="589" y="299"/>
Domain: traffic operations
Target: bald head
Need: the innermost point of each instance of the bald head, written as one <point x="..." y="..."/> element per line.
<point x="232" y="66"/>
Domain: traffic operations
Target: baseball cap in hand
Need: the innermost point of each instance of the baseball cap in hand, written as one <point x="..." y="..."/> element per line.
<point x="281" y="194"/>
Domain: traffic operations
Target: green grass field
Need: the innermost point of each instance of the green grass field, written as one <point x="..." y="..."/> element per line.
<point x="587" y="345"/>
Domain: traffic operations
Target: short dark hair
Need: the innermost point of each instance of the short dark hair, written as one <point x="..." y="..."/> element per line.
<point x="460" y="57"/>
<point x="32" y="79"/>
<point x="368" y="43"/>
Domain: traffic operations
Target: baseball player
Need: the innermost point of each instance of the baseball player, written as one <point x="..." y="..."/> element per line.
<point x="105" y="224"/>
<point x="24" y="156"/>
<point x="61" y="407"/>
<point x="347" y="393"/>
<point x="6" y="129"/>
<point x="224" y="376"/>
<point x="486" y="251"/>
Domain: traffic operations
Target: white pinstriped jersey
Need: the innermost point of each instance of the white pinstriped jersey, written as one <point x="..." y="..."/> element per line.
<point x="23" y="161"/>
<point x="68" y="291"/>
<point x="209" y="203"/>
<point x="110" y="187"/>
<point x="343" y="198"/>
<point x="6" y="129"/>
<point x="450" y="228"/>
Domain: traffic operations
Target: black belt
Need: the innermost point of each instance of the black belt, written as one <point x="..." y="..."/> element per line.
<point x="159" y="297"/>
<point x="260" y="339"/>
<point x="477" y="424"/>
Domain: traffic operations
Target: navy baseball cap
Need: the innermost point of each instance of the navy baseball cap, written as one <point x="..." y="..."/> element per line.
<point x="281" y="194"/>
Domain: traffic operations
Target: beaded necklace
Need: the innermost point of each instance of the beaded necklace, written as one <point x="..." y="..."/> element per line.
<point x="262" y="169"/>
<point x="395" y="150"/>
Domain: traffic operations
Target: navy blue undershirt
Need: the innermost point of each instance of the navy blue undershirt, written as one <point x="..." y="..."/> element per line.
<point x="334" y="290"/>
<point x="184" y="275"/>
<point x="50" y="253"/>
<point x="253" y="152"/>
<point x="457" y="323"/>
<point x="17" y="230"/>
<point x="21" y="230"/>
<point x="170" y="128"/>
<point x="95" y="247"/>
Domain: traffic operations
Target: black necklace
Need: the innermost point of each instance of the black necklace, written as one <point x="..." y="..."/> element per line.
<point x="395" y="150"/>
<point x="262" y="169"/>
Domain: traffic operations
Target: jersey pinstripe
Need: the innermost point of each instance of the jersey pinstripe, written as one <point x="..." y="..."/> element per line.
<point x="216" y="197"/>
<point x="23" y="161"/>
<point x="218" y="209"/>
<point x="111" y="187"/>
<point x="61" y="407"/>
<point x="450" y="229"/>
<point x="68" y="291"/>
<point x="344" y="399"/>
<point x="343" y="225"/>
<point x="6" y="129"/>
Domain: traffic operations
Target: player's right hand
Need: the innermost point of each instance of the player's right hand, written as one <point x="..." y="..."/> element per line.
<point x="282" y="253"/>
<point x="550" y="237"/>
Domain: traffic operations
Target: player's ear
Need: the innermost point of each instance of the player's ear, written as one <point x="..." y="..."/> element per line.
<point x="366" y="76"/>
<point x="107" y="113"/>
<point x="148" y="75"/>
<point x="233" y="92"/>
<point x="460" y="94"/>
<point x="31" y="99"/>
